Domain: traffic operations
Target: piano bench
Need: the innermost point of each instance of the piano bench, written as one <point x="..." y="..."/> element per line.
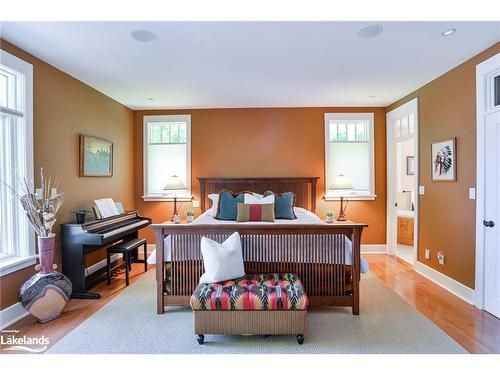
<point x="126" y="248"/>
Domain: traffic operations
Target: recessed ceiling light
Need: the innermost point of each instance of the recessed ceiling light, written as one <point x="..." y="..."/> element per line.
<point x="370" y="31"/>
<point x="448" y="32"/>
<point x="144" y="36"/>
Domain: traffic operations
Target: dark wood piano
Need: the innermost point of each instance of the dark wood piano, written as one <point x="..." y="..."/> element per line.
<point x="78" y="240"/>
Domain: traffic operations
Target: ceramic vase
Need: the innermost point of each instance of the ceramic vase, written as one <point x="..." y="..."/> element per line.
<point x="46" y="293"/>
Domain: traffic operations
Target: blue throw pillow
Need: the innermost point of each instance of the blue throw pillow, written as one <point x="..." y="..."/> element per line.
<point x="283" y="205"/>
<point x="228" y="205"/>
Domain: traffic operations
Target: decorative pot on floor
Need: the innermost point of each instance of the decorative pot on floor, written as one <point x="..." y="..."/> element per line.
<point x="46" y="293"/>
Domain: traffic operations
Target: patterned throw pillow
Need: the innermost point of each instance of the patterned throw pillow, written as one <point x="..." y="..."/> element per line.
<point x="228" y="205"/>
<point x="283" y="205"/>
<point x="255" y="212"/>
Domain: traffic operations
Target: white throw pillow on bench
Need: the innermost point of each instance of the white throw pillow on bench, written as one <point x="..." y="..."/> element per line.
<point x="222" y="261"/>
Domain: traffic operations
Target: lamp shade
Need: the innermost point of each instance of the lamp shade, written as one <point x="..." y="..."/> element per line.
<point x="341" y="182"/>
<point x="174" y="183"/>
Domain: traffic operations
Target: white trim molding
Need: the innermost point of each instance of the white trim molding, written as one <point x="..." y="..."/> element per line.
<point x="483" y="107"/>
<point x="16" y="263"/>
<point x="374" y="249"/>
<point x="12" y="314"/>
<point x="460" y="290"/>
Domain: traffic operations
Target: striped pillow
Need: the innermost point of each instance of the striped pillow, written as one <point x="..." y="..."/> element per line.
<point x="255" y="212"/>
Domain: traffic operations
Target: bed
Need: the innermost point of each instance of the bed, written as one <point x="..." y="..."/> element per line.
<point x="325" y="256"/>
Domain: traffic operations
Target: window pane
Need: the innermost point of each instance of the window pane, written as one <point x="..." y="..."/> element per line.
<point x="182" y="133"/>
<point x="155" y="133"/>
<point x="3" y="90"/>
<point x="342" y="132"/>
<point x="352" y="160"/>
<point x="164" y="161"/>
<point x="411" y="123"/>
<point x="361" y="132"/>
<point x="174" y="133"/>
<point x="404" y="126"/>
<point x="397" y="128"/>
<point x="165" y="133"/>
<point x="333" y="131"/>
<point x="351" y="132"/>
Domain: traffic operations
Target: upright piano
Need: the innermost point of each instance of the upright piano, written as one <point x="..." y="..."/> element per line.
<point x="78" y="240"/>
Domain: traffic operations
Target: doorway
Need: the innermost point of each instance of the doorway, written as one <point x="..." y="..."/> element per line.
<point x="402" y="182"/>
<point x="488" y="186"/>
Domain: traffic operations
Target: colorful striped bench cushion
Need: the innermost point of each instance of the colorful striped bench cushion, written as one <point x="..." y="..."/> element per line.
<point x="252" y="292"/>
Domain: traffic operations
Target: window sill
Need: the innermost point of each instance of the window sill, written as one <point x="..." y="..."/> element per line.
<point x="155" y="198"/>
<point x="16" y="263"/>
<point x="351" y="198"/>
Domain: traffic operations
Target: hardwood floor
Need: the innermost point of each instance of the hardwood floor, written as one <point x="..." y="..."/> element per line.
<point x="476" y="330"/>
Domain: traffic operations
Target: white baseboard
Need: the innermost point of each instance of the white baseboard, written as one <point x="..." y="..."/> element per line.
<point x="374" y="249"/>
<point x="12" y="314"/>
<point x="446" y="282"/>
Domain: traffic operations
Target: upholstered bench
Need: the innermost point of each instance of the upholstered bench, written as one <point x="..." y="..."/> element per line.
<point x="266" y="304"/>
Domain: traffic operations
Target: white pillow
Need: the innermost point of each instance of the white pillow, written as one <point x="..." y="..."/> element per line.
<point x="222" y="261"/>
<point x="212" y="211"/>
<point x="252" y="199"/>
<point x="257" y="195"/>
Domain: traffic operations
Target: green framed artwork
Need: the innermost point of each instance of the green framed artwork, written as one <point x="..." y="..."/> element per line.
<point x="96" y="157"/>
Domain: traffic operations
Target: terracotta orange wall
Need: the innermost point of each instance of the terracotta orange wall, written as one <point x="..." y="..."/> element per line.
<point x="270" y="142"/>
<point x="447" y="108"/>
<point x="63" y="108"/>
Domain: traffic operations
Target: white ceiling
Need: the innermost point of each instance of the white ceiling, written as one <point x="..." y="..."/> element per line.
<point x="252" y="64"/>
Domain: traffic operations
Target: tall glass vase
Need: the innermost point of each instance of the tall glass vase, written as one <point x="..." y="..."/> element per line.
<point x="46" y="293"/>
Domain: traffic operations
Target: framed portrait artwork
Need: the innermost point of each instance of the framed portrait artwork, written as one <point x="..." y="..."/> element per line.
<point x="444" y="160"/>
<point x="410" y="165"/>
<point x="96" y="157"/>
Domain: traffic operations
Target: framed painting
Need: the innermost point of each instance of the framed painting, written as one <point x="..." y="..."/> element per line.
<point x="410" y="165"/>
<point x="444" y="160"/>
<point x="96" y="157"/>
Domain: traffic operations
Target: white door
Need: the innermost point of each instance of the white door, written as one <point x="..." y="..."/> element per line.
<point x="402" y="125"/>
<point x="492" y="214"/>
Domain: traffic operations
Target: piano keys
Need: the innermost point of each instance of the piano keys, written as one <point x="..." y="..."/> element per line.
<point x="78" y="240"/>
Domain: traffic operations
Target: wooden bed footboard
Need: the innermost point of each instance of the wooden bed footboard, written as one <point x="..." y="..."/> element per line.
<point x="316" y="253"/>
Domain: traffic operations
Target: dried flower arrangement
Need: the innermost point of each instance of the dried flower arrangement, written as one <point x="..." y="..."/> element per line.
<point x="42" y="205"/>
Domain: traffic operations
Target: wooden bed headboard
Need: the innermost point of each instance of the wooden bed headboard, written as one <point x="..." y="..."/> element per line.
<point x="304" y="188"/>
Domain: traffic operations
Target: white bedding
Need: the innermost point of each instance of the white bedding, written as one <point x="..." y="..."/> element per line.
<point x="303" y="217"/>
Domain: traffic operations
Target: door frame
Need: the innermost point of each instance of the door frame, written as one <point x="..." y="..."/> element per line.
<point x="484" y="106"/>
<point x="391" y="234"/>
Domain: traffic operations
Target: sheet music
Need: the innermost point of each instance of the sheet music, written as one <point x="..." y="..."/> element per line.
<point x="107" y="207"/>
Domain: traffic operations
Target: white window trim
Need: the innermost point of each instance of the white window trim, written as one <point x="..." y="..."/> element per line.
<point x="166" y="197"/>
<point x="26" y="257"/>
<point x="329" y="196"/>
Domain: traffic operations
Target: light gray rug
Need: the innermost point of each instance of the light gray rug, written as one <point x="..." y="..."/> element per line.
<point x="129" y="324"/>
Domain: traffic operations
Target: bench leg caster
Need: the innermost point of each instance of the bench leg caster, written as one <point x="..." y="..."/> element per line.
<point x="300" y="339"/>
<point x="201" y="339"/>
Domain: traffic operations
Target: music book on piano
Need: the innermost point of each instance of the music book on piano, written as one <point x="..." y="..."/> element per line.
<point x="107" y="207"/>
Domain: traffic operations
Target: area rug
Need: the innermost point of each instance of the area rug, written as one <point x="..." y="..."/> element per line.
<point x="129" y="324"/>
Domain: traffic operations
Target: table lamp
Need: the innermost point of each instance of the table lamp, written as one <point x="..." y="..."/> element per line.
<point x="341" y="182"/>
<point x="174" y="183"/>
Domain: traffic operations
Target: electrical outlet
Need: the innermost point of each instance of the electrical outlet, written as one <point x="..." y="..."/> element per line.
<point x="440" y="257"/>
<point x="427" y="254"/>
<point x="196" y="204"/>
<point x="421" y="190"/>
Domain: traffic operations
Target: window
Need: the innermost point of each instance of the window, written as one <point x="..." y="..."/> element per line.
<point x="349" y="151"/>
<point x="17" y="239"/>
<point x="167" y="152"/>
